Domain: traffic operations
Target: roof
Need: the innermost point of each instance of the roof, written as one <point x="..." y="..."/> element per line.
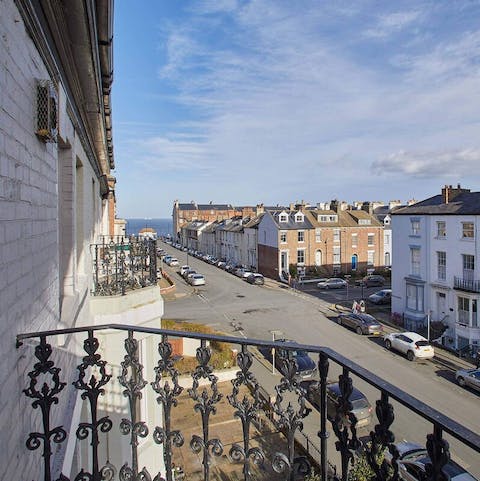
<point x="465" y="203"/>
<point x="215" y="207"/>
<point x="346" y="218"/>
<point x="290" y="224"/>
<point x="252" y="223"/>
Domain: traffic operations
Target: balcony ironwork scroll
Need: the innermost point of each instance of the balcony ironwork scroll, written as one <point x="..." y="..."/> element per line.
<point x="92" y="378"/>
<point x="167" y="398"/>
<point x="92" y="389"/>
<point x="123" y="265"/>
<point x="289" y="418"/>
<point x="246" y="410"/>
<point x="44" y="398"/>
<point x="205" y="404"/>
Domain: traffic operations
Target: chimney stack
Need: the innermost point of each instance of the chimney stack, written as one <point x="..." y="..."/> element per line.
<point x="449" y="192"/>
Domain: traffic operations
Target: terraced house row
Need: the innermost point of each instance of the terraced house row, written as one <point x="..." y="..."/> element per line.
<point x="325" y="239"/>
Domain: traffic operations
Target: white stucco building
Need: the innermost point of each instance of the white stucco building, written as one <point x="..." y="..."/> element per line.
<point x="435" y="264"/>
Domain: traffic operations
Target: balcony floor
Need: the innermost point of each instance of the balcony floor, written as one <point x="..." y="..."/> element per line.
<point x="228" y="429"/>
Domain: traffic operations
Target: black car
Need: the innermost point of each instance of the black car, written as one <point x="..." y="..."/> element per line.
<point x="306" y="367"/>
<point x="371" y="281"/>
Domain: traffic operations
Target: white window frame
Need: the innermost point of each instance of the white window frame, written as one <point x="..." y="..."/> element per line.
<point x="414" y="297"/>
<point x="299" y="217"/>
<point x="337" y="255"/>
<point x="336" y="235"/>
<point x="283" y="234"/>
<point x="415" y="261"/>
<point x="468" y="230"/>
<point x="301" y="233"/>
<point x="318" y="234"/>
<point x="441" y="229"/>
<point x="283" y="218"/>
<point x="415" y="226"/>
<point x="300" y="263"/>
<point x="371" y="237"/>
<point x="441" y="265"/>
<point x="355" y="240"/>
<point x="370" y="258"/>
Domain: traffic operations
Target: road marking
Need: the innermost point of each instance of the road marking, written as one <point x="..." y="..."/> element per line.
<point x="202" y="297"/>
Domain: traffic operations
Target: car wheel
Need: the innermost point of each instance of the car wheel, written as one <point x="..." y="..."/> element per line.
<point x="359" y="331"/>
<point x="410" y="355"/>
<point x="388" y="345"/>
<point x="461" y="381"/>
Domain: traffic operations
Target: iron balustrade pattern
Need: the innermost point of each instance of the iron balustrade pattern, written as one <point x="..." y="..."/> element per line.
<point x="123" y="264"/>
<point x="93" y="376"/>
<point x="468" y="285"/>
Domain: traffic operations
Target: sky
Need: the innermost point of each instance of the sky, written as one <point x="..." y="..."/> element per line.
<point x="278" y="101"/>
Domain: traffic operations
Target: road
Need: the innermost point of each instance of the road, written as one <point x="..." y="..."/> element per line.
<point x="227" y="302"/>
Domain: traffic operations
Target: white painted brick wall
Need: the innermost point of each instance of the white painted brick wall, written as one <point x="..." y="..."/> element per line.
<point x="29" y="223"/>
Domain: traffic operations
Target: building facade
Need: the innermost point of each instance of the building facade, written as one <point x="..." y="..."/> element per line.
<point x="435" y="272"/>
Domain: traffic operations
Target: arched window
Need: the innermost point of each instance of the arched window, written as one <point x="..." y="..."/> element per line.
<point x="387" y="258"/>
<point x="318" y="258"/>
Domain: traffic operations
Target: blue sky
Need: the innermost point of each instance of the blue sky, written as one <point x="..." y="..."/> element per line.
<point x="242" y="102"/>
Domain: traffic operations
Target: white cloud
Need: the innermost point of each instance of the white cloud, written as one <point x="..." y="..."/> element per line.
<point x="429" y="164"/>
<point x="392" y="23"/>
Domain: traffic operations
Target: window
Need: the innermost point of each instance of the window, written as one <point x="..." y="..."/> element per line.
<point x="301" y="236"/>
<point x="299" y="217"/>
<point x="327" y="218"/>
<point x="386" y="238"/>
<point x="415" y="226"/>
<point x="415" y="261"/>
<point x="336" y="235"/>
<point x="364" y="221"/>
<point x="371" y="239"/>
<point x="301" y="256"/>
<point x="468" y="262"/>
<point x="370" y="258"/>
<point x="441" y="265"/>
<point x="474" y="313"/>
<point x="441" y="229"/>
<point x="283" y="218"/>
<point x="336" y="254"/>
<point x="283" y="237"/>
<point x="464" y="310"/>
<point x="318" y="235"/>
<point x="354" y="240"/>
<point x="387" y="258"/>
<point x="415" y="297"/>
<point x="467" y="230"/>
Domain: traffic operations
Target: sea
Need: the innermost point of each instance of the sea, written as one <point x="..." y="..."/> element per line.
<point x="161" y="226"/>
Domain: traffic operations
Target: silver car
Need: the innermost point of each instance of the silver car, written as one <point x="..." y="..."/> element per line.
<point x="332" y="283"/>
<point x="468" y="377"/>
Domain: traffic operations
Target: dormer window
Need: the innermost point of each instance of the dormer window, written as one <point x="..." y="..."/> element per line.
<point x="327" y="218"/>
<point x="364" y="221"/>
<point x="299" y="217"/>
<point x="283" y="217"/>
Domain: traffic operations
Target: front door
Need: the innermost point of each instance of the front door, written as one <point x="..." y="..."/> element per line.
<point x="284" y="261"/>
<point x="441" y="301"/>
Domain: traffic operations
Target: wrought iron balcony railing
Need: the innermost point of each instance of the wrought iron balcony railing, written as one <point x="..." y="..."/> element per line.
<point x="123" y="264"/>
<point x="287" y="410"/>
<point x="467" y="285"/>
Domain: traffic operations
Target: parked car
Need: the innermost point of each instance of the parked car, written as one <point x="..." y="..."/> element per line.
<point x="306" y="367"/>
<point x="221" y="264"/>
<point x="468" y="377"/>
<point x="243" y="273"/>
<point x="381" y="297"/>
<point x="196" y="280"/>
<point x="414" y="459"/>
<point x="188" y="273"/>
<point x="362" y="323"/>
<point x="184" y="269"/>
<point x="257" y="279"/>
<point x="361" y="407"/>
<point x="332" y="283"/>
<point x="173" y="262"/>
<point x="412" y="344"/>
<point x="371" y="281"/>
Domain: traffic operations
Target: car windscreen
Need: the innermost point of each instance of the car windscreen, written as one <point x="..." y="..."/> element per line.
<point x="422" y="343"/>
<point x="360" y="403"/>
